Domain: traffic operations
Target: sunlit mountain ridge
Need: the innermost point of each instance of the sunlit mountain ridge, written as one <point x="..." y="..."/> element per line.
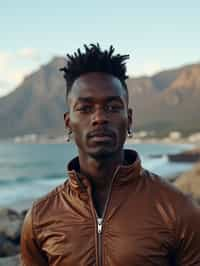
<point x="166" y="101"/>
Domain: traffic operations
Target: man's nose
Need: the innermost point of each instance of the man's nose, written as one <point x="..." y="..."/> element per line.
<point x="99" y="116"/>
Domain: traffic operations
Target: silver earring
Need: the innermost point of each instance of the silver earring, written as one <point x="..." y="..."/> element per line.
<point x="130" y="133"/>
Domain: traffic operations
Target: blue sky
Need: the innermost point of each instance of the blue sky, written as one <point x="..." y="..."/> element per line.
<point x="157" y="35"/>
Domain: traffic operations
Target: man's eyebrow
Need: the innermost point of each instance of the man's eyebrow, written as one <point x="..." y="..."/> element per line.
<point x="107" y="99"/>
<point x="85" y="99"/>
<point x="114" y="98"/>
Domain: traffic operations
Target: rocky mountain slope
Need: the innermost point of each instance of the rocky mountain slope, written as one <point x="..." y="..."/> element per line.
<point x="169" y="100"/>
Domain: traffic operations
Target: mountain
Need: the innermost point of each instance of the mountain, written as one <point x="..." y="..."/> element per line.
<point x="37" y="105"/>
<point x="166" y="101"/>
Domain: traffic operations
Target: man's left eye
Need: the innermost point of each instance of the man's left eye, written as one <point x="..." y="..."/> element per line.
<point x="113" y="108"/>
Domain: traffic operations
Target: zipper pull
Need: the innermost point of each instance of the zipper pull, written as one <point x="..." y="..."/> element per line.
<point x="99" y="223"/>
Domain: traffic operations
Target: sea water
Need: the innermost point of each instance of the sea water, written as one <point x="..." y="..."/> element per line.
<point x="28" y="171"/>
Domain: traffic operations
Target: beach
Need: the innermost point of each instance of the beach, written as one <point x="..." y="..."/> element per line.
<point x="30" y="171"/>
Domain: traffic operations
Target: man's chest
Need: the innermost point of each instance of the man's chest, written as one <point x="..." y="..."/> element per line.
<point x="122" y="238"/>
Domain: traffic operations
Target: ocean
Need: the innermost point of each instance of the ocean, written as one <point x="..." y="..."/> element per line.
<point x="28" y="171"/>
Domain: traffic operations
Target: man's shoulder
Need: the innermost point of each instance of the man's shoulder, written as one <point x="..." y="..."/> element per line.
<point x="162" y="186"/>
<point x="168" y="195"/>
<point x="156" y="180"/>
<point x="52" y="194"/>
<point x="48" y="203"/>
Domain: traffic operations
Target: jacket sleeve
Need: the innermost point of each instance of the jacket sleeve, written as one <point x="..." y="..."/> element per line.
<point x="188" y="234"/>
<point x="31" y="254"/>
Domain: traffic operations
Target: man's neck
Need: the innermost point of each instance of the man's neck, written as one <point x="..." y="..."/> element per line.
<point x="100" y="174"/>
<point x="100" y="171"/>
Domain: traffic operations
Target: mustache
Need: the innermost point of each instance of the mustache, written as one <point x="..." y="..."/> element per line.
<point x="101" y="132"/>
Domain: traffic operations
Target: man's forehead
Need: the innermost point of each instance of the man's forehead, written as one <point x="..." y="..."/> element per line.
<point x="97" y="85"/>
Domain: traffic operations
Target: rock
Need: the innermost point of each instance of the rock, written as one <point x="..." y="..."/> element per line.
<point x="7" y="247"/>
<point x="187" y="156"/>
<point x="23" y="214"/>
<point x="10" y="229"/>
<point x="10" y="224"/>
<point x="189" y="182"/>
<point x="10" y="261"/>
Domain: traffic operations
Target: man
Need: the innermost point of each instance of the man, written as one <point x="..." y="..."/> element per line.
<point x="110" y="211"/>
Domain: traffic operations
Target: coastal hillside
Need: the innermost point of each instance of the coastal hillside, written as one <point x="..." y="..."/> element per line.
<point x="164" y="102"/>
<point x="37" y="105"/>
<point x="167" y="101"/>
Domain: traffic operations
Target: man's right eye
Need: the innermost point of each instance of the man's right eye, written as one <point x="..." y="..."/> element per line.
<point x="84" y="109"/>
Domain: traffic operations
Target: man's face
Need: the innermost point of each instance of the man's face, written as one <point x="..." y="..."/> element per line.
<point x="98" y="114"/>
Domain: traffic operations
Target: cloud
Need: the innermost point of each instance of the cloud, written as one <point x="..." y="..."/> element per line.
<point x="14" y="66"/>
<point x="151" y="68"/>
<point x="29" y="54"/>
<point x="5" y="88"/>
<point x="5" y="58"/>
<point x="10" y="79"/>
<point x="4" y="85"/>
<point x="147" y="68"/>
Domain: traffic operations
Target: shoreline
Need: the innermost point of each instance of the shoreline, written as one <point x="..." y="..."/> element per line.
<point x="136" y="139"/>
<point x="183" y="141"/>
<point x="23" y="205"/>
<point x="187" y="181"/>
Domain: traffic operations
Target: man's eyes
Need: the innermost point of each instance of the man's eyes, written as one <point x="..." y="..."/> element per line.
<point x="107" y="108"/>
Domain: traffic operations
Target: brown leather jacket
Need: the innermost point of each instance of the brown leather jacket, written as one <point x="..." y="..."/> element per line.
<point x="146" y="222"/>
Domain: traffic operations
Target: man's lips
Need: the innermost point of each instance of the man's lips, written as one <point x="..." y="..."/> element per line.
<point x="100" y="135"/>
<point x="101" y="138"/>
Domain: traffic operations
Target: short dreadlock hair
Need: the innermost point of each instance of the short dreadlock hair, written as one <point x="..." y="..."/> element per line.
<point x="93" y="59"/>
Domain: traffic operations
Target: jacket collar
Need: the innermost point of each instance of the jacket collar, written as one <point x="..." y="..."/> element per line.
<point x="123" y="173"/>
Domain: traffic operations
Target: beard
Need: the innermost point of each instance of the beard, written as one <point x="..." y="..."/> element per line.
<point x="105" y="152"/>
<point x="102" y="154"/>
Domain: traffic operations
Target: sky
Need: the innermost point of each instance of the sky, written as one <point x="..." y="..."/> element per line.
<point x="158" y="35"/>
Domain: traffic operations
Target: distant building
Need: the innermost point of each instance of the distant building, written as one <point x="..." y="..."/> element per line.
<point x="194" y="137"/>
<point x="175" y="135"/>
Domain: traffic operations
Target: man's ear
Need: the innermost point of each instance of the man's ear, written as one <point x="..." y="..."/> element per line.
<point x="66" y="120"/>
<point x="130" y="118"/>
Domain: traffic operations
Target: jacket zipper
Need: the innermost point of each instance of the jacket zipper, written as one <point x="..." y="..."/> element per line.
<point x="99" y="230"/>
<point x="100" y="221"/>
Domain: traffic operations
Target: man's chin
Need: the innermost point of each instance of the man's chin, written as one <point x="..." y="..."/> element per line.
<point x="102" y="154"/>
